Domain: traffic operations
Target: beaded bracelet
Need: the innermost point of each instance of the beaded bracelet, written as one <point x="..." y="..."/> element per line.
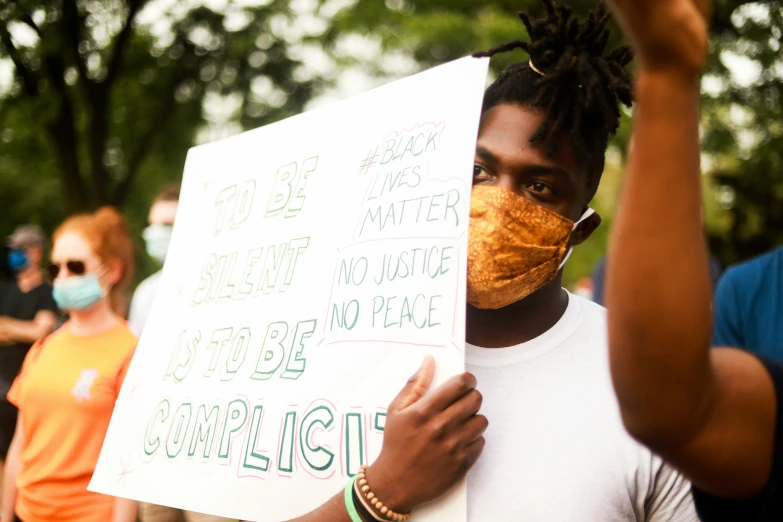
<point x="366" y="493"/>
<point x="349" y="505"/>
<point x="362" y="506"/>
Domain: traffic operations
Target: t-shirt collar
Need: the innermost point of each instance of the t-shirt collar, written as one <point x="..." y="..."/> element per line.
<point x="541" y="345"/>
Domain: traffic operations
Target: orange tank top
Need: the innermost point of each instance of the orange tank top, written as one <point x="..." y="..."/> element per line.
<point x="65" y="394"/>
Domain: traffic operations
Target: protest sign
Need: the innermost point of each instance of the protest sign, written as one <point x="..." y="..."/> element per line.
<point x="314" y="263"/>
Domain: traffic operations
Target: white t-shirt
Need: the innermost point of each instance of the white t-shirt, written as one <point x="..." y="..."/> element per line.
<point x="142" y="301"/>
<point x="556" y="449"/>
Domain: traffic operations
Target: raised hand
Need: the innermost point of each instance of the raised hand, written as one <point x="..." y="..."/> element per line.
<point x="429" y="442"/>
<point x="667" y="34"/>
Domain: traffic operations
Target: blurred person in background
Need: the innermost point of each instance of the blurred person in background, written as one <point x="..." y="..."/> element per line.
<point x="5" y="270"/>
<point x="584" y="288"/>
<point x="70" y="380"/>
<point x="27" y="314"/>
<point x="749" y="306"/>
<point x="715" y="414"/>
<point x="157" y="237"/>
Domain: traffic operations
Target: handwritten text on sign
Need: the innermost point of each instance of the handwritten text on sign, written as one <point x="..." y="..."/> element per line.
<point x="314" y="263"/>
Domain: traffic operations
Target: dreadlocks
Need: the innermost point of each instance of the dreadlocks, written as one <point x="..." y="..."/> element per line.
<point x="570" y="78"/>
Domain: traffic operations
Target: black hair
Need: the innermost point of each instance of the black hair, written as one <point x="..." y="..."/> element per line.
<point x="575" y="83"/>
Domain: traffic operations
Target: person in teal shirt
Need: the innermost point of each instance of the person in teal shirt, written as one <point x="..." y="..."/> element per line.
<point x="748" y="306"/>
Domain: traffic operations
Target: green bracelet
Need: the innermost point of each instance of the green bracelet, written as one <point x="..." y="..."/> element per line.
<point x="349" y="502"/>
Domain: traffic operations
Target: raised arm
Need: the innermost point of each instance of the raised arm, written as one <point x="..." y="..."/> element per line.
<point x="711" y="414"/>
<point x="430" y="442"/>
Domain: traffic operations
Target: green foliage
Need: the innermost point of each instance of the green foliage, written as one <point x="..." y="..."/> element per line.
<point x="744" y="133"/>
<point x="102" y="109"/>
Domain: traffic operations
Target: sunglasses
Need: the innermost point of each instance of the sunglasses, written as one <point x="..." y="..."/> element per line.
<point x="74" y="267"/>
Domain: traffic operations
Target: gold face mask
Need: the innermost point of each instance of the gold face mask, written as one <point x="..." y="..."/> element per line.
<point x="515" y="247"/>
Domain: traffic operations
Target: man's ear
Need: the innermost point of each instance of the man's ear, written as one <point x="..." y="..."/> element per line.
<point x="585" y="229"/>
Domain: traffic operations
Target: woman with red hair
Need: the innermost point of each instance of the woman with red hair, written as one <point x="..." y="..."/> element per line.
<point x="70" y="381"/>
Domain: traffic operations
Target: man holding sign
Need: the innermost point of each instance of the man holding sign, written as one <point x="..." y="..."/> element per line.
<point x="555" y="448"/>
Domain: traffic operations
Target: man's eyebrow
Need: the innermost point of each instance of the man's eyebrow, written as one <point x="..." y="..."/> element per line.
<point x="539" y="168"/>
<point x="486" y="155"/>
<point x="548" y="169"/>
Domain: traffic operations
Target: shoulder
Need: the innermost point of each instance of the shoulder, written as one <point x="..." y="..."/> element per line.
<point x="44" y="288"/>
<point x="8" y="288"/>
<point x="583" y="325"/>
<point x="116" y="342"/>
<point x="124" y="335"/>
<point x="43" y="294"/>
<point x="59" y="337"/>
<point x="754" y="269"/>
<point x="590" y="313"/>
<point x="148" y="285"/>
<point x="582" y="333"/>
<point x="124" y="343"/>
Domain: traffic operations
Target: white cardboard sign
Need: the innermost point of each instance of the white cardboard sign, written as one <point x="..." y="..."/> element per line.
<point x="314" y="263"/>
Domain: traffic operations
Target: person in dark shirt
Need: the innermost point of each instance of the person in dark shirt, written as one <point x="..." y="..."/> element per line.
<point x="27" y="313"/>
<point x="749" y="306"/>
<point x="713" y="413"/>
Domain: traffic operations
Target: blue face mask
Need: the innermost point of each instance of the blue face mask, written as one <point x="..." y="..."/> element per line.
<point x="77" y="292"/>
<point x="157" y="238"/>
<point x="17" y="260"/>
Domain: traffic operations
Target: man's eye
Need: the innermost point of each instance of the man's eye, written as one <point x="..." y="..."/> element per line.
<point x="540" y="188"/>
<point x="479" y="174"/>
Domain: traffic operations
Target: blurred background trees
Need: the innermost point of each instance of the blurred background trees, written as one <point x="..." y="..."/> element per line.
<point x="101" y="99"/>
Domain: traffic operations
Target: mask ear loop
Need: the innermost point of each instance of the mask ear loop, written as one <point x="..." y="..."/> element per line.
<point x="589" y="212"/>
<point x="103" y="270"/>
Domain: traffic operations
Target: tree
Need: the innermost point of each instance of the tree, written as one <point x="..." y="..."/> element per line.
<point x="105" y="101"/>
<point x="743" y="130"/>
<point x="107" y="95"/>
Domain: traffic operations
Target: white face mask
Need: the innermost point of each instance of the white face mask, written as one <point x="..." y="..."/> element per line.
<point x="157" y="239"/>
<point x="79" y="292"/>
<point x="589" y="212"/>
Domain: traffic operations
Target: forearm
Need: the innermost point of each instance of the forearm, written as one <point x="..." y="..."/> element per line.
<point x="9" y="484"/>
<point x="125" y="510"/>
<point x="658" y="285"/>
<point x="25" y="331"/>
<point x="333" y="511"/>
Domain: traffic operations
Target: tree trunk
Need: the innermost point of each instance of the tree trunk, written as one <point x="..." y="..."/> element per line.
<point x="63" y="137"/>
